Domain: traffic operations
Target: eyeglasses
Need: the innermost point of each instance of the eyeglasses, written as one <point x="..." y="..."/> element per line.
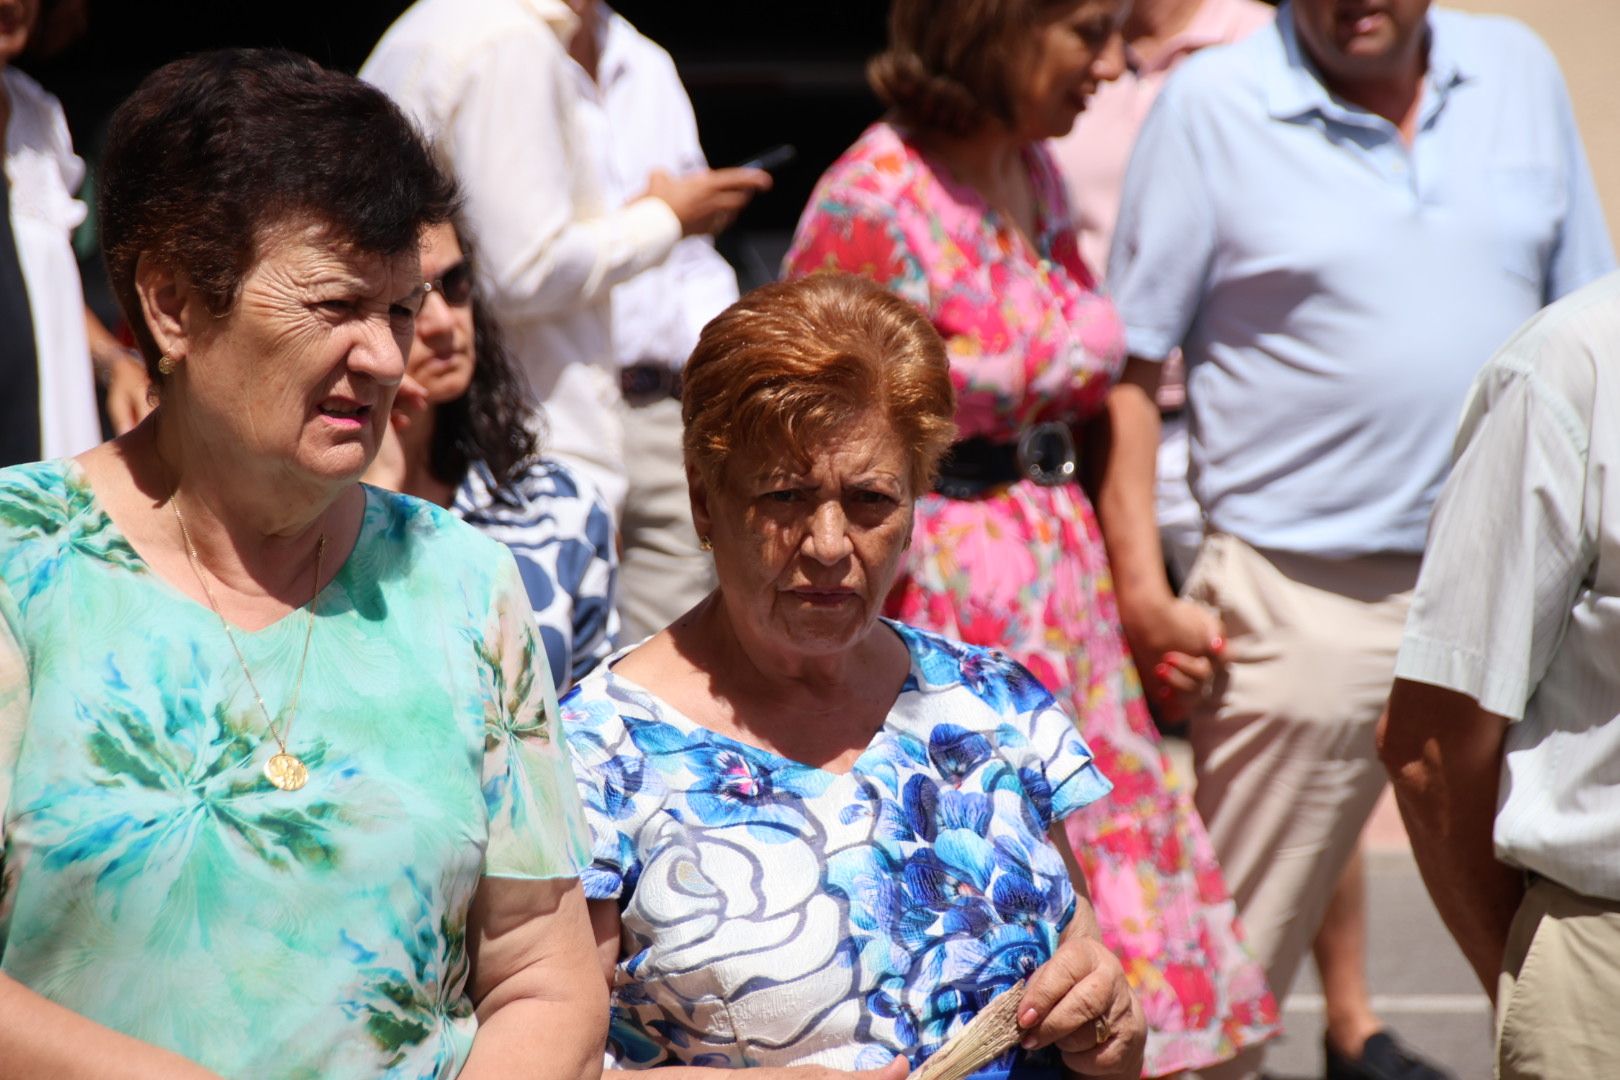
<point x="454" y="285"/>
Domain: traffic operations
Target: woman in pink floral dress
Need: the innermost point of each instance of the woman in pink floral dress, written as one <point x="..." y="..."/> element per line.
<point x="956" y="205"/>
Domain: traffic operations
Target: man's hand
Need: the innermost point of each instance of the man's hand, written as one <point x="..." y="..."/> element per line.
<point x="709" y="201"/>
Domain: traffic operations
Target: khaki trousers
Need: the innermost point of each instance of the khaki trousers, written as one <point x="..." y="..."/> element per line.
<point x="1287" y="773"/>
<point x="1560" y="981"/>
<point x="662" y="571"/>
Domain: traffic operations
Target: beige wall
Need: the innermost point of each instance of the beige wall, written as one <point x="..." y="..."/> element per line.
<point x="1584" y="34"/>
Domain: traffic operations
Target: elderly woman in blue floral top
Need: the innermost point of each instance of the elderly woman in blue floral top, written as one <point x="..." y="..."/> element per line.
<point x="461" y="438"/>
<point x="821" y="839"/>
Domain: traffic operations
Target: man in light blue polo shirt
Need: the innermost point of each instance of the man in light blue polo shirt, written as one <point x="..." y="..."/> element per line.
<point x="1339" y="220"/>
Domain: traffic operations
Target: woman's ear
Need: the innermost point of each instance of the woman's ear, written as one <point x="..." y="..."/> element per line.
<point x="164" y="296"/>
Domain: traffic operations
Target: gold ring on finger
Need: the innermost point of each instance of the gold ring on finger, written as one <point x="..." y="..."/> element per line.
<point x="1104" y="1032"/>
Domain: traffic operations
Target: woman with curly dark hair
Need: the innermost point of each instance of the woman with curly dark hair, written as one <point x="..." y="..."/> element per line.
<point x="462" y="438"/>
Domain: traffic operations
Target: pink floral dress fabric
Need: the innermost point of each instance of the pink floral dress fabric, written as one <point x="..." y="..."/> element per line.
<point x="1023" y="568"/>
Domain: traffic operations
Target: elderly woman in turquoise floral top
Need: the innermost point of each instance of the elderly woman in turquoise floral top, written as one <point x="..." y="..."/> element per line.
<point x="282" y="789"/>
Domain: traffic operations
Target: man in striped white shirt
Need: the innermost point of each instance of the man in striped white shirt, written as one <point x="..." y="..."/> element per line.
<point x="1503" y="731"/>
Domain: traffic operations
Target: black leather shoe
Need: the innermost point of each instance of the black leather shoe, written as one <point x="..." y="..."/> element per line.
<point x="1382" y="1058"/>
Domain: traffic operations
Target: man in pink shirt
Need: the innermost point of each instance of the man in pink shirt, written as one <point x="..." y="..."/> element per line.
<point x="1159" y="35"/>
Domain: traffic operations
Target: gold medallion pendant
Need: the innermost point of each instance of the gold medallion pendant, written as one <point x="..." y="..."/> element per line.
<point x="286" y="772"/>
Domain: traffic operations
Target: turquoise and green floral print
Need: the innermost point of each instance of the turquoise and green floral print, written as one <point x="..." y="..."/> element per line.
<point x="153" y="880"/>
<point x="778" y="914"/>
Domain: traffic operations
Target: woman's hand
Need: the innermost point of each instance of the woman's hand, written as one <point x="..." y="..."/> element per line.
<point x="389" y="467"/>
<point x="127" y="393"/>
<point x="1079" y="1002"/>
<point x="1178" y="648"/>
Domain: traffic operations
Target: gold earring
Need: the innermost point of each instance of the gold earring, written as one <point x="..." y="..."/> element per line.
<point x="167" y="364"/>
<point x="705" y="543"/>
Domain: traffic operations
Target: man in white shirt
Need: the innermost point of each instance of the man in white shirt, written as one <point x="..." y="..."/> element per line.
<point x="1503" y="730"/>
<point x="639" y="122"/>
<point x="491" y="82"/>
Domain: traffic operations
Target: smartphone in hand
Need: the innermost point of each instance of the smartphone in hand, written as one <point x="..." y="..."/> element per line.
<point x="771" y="160"/>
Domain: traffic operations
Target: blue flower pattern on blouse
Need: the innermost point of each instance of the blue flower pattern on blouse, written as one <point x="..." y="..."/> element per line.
<point x="779" y="914"/>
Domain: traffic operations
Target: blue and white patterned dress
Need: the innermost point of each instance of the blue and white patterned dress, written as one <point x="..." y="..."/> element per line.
<point x="779" y="914"/>
<point x="560" y="530"/>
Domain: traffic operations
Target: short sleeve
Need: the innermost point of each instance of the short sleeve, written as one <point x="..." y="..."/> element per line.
<point x="1164" y="238"/>
<point x="15" y="693"/>
<point x="1507" y="551"/>
<point x="849" y="229"/>
<point x="1053" y="762"/>
<point x="613" y="784"/>
<point x="1583" y="251"/>
<point x="536" y="824"/>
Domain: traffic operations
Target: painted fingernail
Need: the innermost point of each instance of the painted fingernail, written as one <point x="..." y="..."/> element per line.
<point x="1162" y="671"/>
<point x="1218" y="643"/>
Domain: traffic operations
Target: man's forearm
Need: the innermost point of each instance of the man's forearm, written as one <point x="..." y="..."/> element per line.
<point x="1444" y="756"/>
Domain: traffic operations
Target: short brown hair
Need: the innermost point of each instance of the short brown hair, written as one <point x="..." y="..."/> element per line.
<point x="212" y="151"/>
<point x="789" y="364"/>
<point x="949" y="63"/>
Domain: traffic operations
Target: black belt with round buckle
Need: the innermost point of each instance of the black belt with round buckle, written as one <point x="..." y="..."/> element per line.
<point x="647" y="381"/>
<point x="1043" y="454"/>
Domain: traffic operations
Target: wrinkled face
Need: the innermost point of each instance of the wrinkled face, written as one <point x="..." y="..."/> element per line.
<point x="300" y="374"/>
<point x="1071" y="56"/>
<point x="16" y="23"/>
<point x="442" y="353"/>
<point x="806" y="558"/>
<point x="1358" y="40"/>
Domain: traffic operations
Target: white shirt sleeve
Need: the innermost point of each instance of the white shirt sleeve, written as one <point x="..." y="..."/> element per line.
<point x="547" y="244"/>
<point x="1508" y="545"/>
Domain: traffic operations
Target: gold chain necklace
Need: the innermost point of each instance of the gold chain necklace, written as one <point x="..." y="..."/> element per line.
<point x="282" y="769"/>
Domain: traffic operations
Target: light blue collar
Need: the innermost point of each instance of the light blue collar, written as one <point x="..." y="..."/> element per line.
<point x="1294" y="87"/>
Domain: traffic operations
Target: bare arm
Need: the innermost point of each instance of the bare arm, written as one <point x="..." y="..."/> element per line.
<point x="1444" y="755"/>
<point x="1157" y="624"/>
<point x="542" y="1011"/>
<point x="41" y="1040"/>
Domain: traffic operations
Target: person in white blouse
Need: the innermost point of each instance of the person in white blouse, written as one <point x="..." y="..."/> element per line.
<point x="639" y="123"/>
<point x="490" y="81"/>
<point x="50" y="407"/>
<point x="1503" y="730"/>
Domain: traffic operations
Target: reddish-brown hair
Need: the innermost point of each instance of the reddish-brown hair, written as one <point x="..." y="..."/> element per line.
<point x="949" y="64"/>
<point x="789" y="365"/>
